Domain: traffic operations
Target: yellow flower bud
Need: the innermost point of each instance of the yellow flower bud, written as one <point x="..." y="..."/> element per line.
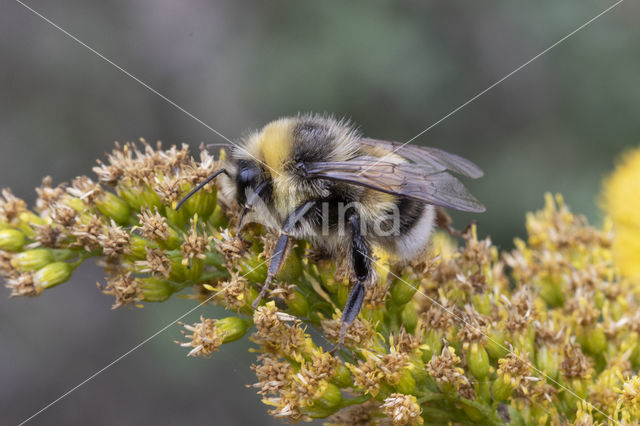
<point x="11" y="240"/>
<point x="32" y="260"/>
<point x="233" y="328"/>
<point x="27" y="221"/>
<point x="114" y="207"/>
<point x="53" y="274"/>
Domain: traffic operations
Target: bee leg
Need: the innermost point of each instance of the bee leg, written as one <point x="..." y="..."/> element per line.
<point x="443" y="221"/>
<point x="361" y="261"/>
<point x="281" y="248"/>
<point x="251" y="201"/>
<point x="274" y="265"/>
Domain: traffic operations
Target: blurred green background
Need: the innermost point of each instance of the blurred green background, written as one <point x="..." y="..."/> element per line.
<point x="393" y="67"/>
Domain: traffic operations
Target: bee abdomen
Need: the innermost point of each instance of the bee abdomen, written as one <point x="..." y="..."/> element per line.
<point x="412" y="228"/>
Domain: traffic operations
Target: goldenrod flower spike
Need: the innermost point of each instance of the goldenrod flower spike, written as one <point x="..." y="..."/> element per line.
<point x="545" y="333"/>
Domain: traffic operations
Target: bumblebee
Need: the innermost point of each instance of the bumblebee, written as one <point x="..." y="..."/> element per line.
<point x="317" y="178"/>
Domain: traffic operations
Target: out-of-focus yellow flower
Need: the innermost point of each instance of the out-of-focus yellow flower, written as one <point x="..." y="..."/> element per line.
<point x="621" y="202"/>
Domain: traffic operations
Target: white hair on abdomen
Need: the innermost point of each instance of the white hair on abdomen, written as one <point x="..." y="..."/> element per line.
<point x="410" y="245"/>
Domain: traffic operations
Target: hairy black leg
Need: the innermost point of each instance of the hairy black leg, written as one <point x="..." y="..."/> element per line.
<point x="281" y="247"/>
<point x="361" y="261"/>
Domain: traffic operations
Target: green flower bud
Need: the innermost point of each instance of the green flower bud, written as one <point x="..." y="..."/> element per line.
<point x="202" y="203"/>
<point x="138" y="246"/>
<point x="331" y="396"/>
<point x="32" y="260"/>
<point x="233" y="327"/>
<point x="11" y="240"/>
<point x="482" y="303"/>
<point x="375" y="316"/>
<point x="551" y="291"/>
<point x="547" y="360"/>
<point x="501" y="390"/>
<point x="472" y="412"/>
<point x="178" y="270"/>
<point x="217" y="218"/>
<point x="495" y="346"/>
<point x="298" y="304"/>
<point x="478" y="361"/>
<point x="114" y="207"/>
<point x="597" y="341"/>
<point x="402" y="290"/>
<point x="194" y="269"/>
<point x="409" y="318"/>
<point x="53" y="274"/>
<point x="155" y="290"/>
<point x="342" y="294"/>
<point x="342" y="376"/>
<point x="291" y="269"/>
<point x="177" y="218"/>
<point x="432" y="345"/>
<point x="253" y="269"/>
<point x="407" y="384"/>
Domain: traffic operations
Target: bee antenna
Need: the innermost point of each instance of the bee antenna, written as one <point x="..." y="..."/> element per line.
<point x="200" y="186"/>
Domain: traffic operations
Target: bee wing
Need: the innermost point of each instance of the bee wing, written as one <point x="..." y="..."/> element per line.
<point x="432" y="157"/>
<point x="402" y="179"/>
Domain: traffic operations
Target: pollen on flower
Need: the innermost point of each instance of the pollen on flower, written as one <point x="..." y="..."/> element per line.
<point x="195" y="245"/>
<point x="273" y="375"/>
<point x="557" y="300"/>
<point x="358" y="334"/>
<point x="205" y="337"/>
<point x="63" y="215"/>
<point x="153" y="225"/>
<point x="444" y="367"/>
<point x="11" y="206"/>
<point x="125" y="288"/>
<point x="630" y="395"/>
<point x="85" y="189"/>
<point x="402" y="409"/>
<point x="514" y="369"/>
<point x="48" y="195"/>
<point x="115" y="241"/>
<point x="23" y="284"/>
<point x="88" y="232"/>
<point x="234" y="291"/>
<point x="157" y="263"/>
<point x="575" y="364"/>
